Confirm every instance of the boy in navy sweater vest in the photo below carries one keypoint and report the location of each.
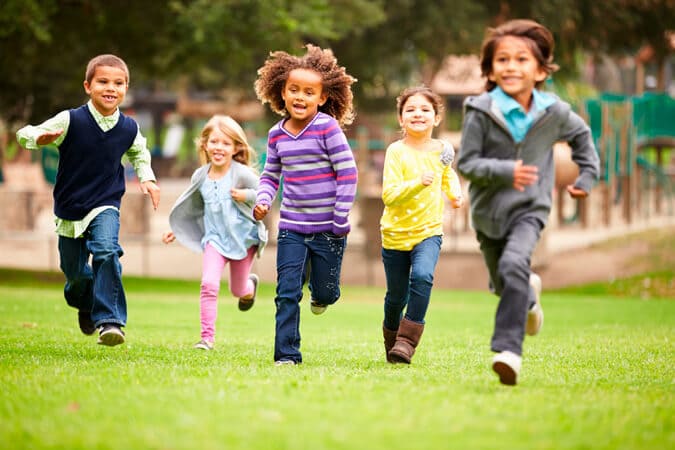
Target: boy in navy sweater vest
(89, 186)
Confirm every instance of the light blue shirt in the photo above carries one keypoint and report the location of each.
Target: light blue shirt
(518, 121)
(225, 227)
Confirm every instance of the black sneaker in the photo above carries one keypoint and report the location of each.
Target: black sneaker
(111, 335)
(86, 324)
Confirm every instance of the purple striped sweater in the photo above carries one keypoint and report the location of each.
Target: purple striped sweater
(319, 176)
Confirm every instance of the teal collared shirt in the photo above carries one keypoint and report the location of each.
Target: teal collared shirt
(518, 121)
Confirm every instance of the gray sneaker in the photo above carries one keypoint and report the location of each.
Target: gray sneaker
(535, 316)
(111, 335)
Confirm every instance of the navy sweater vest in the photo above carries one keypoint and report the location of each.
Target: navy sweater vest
(90, 172)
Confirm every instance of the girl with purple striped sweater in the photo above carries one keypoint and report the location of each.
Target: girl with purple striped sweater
(309, 150)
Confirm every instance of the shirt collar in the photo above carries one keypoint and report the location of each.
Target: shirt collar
(507, 104)
(100, 117)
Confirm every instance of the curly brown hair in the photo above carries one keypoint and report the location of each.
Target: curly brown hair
(539, 39)
(337, 82)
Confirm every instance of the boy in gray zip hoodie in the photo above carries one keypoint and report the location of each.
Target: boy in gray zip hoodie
(506, 154)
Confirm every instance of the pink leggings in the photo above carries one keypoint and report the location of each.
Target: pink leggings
(213, 264)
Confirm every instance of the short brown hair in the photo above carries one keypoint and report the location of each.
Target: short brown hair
(539, 39)
(105, 60)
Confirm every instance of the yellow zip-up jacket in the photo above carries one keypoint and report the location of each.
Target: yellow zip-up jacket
(412, 211)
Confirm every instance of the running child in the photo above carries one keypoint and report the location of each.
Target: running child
(309, 150)
(417, 170)
(215, 216)
(506, 154)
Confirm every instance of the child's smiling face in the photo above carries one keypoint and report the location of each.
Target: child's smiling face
(418, 116)
(220, 148)
(107, 88)
(303, 94)
(515, 69)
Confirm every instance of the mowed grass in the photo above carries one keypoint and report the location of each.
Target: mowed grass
(600, 375)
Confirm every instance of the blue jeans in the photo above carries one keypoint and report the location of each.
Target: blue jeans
(508, 263)
(96, 287)
(300, 256)
(410, 276)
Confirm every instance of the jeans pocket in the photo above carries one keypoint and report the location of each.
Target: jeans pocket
(332, 236)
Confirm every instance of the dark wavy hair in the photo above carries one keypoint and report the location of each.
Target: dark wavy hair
(539, 39)
(337, 82)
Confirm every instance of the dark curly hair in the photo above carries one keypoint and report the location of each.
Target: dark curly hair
(539, 39)
(337, 82)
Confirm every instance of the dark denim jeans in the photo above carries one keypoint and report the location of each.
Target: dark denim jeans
(508, 263)
(96, 287)
(410, 276)
(299, 256)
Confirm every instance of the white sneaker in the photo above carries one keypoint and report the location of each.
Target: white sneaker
(507, 365)
(204, 345)
(285, 362)
(535, 316)
(318, 308)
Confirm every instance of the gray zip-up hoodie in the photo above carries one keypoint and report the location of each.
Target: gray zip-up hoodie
(187, 215)
(488, 154)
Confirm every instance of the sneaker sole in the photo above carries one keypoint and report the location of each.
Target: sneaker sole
(318, 310)
(506, 373)
(111, 339)
(535, 316)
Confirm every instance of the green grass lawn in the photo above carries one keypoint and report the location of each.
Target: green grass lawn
(600, 375)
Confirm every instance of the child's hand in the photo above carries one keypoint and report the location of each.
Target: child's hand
(524, 175)
(576, 192)
(48, 137)
(260, 211)
(457, 202)
(151, 188)
(168, 237)
(427, 178)
(238, 195)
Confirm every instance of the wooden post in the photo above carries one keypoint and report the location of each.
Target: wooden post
(606, 159)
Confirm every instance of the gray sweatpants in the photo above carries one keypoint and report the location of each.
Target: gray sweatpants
(508, 263)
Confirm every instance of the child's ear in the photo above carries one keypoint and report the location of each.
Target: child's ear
(86, 87)
(541, 75)
(323, 98)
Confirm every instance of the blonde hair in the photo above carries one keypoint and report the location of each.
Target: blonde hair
(105, 60)
(244, 153)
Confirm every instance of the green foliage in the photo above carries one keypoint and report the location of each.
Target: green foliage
(599, 376)
(218, 44)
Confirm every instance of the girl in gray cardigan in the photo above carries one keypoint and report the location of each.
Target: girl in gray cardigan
(215, 216)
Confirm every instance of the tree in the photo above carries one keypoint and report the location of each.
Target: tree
(209, 43)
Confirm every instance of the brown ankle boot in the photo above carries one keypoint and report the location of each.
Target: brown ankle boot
(389, 340)
(409, 334)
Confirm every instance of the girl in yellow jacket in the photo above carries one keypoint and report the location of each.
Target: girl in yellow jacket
(417, 169)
